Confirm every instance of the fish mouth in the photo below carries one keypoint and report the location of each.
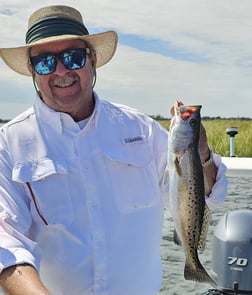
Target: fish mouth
(185, 112)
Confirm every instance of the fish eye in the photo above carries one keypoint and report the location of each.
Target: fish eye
(193, 122)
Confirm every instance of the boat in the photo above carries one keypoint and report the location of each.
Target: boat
(238, 166)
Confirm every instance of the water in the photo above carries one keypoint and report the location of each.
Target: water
(239, 197)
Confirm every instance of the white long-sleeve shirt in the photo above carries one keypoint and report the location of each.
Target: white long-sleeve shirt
(85, 205)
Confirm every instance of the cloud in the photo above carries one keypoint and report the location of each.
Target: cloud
(198, 51)
(7, 12)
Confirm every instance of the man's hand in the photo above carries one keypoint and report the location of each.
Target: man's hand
(210, 170)
(22, 280)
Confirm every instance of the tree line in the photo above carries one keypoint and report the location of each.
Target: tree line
(205, 118)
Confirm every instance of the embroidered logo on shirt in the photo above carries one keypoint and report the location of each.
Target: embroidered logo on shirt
(133, 139)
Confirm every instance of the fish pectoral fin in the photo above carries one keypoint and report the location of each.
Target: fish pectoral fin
(204, 228)
(177, 166)
(176, 238)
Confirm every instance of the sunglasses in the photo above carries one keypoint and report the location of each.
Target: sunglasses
(72, 59)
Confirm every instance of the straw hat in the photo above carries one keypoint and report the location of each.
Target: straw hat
(55, 23)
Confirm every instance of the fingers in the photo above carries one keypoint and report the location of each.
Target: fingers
(177, 103)
(203, 144)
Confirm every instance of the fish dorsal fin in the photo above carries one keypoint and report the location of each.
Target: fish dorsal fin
(204, 228)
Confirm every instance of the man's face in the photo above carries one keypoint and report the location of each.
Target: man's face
(64, 90)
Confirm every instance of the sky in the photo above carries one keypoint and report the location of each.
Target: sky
(195, 51)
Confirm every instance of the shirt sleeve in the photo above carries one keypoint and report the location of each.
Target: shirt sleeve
(219, 190)
(160, 148)
(15, 221)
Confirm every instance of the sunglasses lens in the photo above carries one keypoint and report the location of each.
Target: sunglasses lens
(74, 59)
(44, 64)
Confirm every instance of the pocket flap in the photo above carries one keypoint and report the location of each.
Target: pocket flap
(133, 153)
(37, 170)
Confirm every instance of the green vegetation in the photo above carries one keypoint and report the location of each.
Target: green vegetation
(3, 121)
(220, 141)
(216, 133)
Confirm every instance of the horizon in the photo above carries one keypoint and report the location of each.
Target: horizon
(161, 118)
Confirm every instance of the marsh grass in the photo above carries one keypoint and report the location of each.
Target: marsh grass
(220, 141)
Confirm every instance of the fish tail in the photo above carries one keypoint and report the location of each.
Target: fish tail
(198, 274)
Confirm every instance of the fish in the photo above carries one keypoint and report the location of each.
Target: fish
(187, 190)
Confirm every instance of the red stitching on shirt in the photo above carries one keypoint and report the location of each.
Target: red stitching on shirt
(35, 203)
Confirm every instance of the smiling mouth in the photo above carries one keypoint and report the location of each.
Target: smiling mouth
(63, 82)
(64, 85)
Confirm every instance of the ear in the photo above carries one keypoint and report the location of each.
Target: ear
(94, 58)
(29, 67)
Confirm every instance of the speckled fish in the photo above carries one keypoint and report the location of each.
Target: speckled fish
(187, 192)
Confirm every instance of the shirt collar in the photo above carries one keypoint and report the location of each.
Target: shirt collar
(59, 121)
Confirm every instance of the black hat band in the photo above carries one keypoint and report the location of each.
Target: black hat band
(54, 26)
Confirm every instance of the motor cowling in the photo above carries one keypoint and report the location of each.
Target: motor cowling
(232, 253)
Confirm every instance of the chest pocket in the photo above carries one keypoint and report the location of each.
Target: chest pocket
(47, 184)
(132, 175)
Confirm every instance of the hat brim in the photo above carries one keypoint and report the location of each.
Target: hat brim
(104, 45)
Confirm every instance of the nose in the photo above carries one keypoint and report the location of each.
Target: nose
(60, 68)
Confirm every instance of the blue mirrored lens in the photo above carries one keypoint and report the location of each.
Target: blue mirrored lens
(72, 59)
(44, 64)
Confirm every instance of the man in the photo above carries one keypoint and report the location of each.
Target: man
(81, 183)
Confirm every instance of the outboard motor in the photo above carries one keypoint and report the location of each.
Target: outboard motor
(232, 254)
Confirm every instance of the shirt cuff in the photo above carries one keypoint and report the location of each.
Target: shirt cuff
(15, 256)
